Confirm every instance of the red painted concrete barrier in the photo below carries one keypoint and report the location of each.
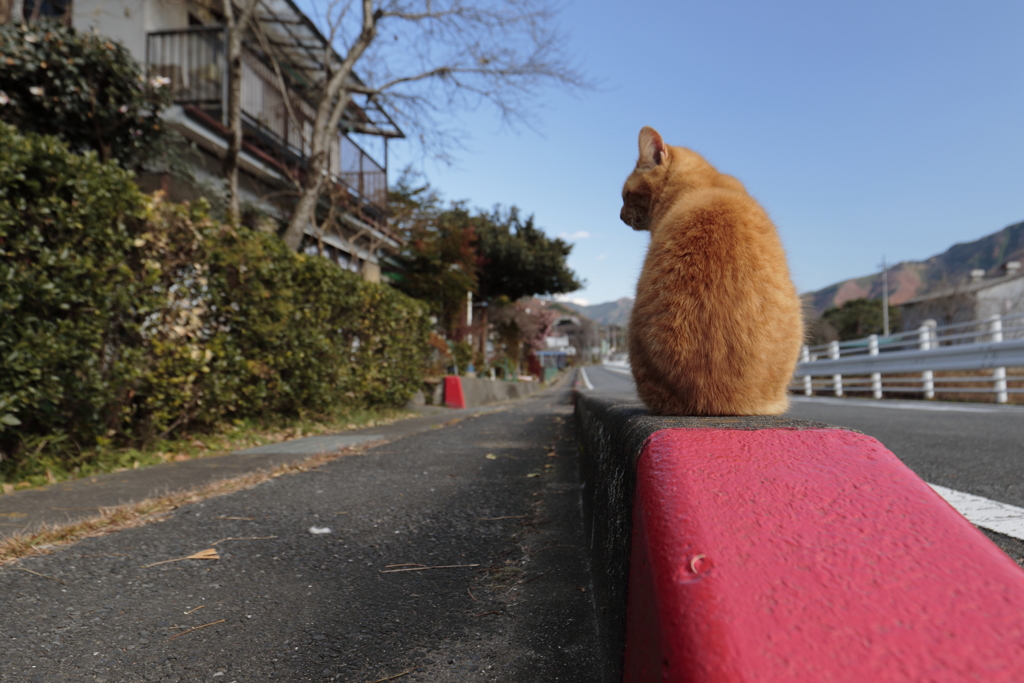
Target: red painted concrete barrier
(814, 555)
(453, 396)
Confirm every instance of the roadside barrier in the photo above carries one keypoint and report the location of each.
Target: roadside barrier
(988, 347)
(453, 396)
(767, 549)
(473, 392)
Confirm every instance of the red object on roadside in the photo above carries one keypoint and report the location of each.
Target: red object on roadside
(453, 397)
(786, 555)
(533, 366)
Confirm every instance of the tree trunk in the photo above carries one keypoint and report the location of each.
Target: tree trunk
(235, 27)
(483, 331)
(325, 130)
(304, 211)
(234, 110)
(235, 141)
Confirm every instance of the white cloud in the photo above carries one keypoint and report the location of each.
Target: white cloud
(567, 298)
(601, 257)
(578, 235)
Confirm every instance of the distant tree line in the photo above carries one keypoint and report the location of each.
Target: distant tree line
(497, 256)
(854, 319)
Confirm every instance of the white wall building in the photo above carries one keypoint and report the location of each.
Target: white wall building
(184, 42)
(976, 299)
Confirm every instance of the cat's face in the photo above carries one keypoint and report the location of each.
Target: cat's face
(643, 183)
(636, 207)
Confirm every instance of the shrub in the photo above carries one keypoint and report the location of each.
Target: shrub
(72, 298)
(82, 87)
(296, 333)
(462, 353)
(855, 319)
(128, 318)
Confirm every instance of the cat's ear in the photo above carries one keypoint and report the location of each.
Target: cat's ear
(652, 148)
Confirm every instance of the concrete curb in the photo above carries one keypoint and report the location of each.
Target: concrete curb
(770, 549)
(473, 392)
(610, 434)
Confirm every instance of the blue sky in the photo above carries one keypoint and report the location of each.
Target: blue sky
(863, 127)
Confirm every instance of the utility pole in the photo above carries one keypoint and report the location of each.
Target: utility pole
(885, 298)
(469, 315)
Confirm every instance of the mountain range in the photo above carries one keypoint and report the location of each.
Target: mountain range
(907, 279)
(608, 313)
(910, 279)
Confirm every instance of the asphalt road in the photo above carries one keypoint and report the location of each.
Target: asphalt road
(614, 380)
(76, 499)
(499, 492)
(973, 448)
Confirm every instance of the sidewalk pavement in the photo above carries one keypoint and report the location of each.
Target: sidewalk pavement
(454, 554)
(77, 499)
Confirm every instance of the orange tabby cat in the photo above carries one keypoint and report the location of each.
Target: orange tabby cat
(716, 326)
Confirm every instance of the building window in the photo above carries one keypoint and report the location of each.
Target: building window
(46, 9)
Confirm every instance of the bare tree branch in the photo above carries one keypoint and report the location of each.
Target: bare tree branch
(423, 61)
(420, 16)
(328, 115)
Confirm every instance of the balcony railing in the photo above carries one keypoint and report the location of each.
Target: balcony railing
(195, 61)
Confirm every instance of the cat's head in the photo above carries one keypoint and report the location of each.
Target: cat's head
(661, 167)
(646, 180)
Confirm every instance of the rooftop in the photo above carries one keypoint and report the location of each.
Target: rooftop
(969, 287)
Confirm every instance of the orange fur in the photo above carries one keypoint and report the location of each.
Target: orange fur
(716, 326)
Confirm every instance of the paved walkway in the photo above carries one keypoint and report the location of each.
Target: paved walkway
(79, 498)
(481, 519)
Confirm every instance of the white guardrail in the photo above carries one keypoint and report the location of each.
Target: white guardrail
(990, 345)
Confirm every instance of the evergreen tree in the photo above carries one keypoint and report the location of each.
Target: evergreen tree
(82, 88)
(860, 318)
(497, 255)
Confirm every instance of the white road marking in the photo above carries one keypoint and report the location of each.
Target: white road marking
(907, 405)
(620, 370)
(988, 514)
(586, 380)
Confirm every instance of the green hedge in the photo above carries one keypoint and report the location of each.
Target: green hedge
(124, 318)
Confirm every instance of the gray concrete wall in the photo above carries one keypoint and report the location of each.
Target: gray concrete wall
(128, 21)
(482, 392)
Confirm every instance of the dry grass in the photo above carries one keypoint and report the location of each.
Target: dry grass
(110, 520)
(228, 438)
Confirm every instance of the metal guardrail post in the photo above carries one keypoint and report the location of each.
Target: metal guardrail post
(994, 344)
(995, 327)
(924, 337)
(805, 357)
(837, 379)
(876, 377)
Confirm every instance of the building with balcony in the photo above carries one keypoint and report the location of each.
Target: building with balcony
(183, 43)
